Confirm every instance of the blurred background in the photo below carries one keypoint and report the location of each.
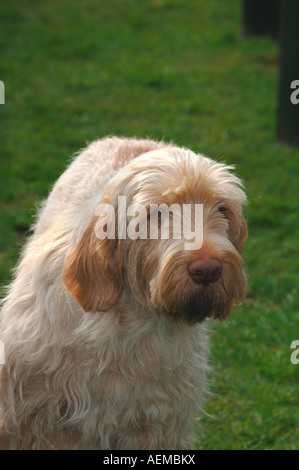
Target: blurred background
(196, 73)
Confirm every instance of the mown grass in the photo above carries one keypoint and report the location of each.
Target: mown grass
(182, 71)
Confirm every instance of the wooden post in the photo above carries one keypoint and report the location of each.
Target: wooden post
(261, 17)
(288, 90)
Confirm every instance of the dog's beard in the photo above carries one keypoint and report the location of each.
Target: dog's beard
(196, 306)
(199, 307)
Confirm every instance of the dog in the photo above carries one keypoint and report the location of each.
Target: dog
(106, 338)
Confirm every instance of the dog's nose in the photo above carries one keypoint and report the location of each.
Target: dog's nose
(205, 270)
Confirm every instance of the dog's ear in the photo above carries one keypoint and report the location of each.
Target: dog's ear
(237, 228)
(242, 235)
(92, 271)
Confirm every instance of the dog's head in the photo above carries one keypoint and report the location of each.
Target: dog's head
(125, 248)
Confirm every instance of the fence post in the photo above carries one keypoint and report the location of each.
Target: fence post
(288, 88)
(261, 17)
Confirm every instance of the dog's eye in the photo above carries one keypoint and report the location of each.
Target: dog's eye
(223, 210)
(156, 215)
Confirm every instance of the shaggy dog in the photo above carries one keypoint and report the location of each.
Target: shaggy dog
(106, 338)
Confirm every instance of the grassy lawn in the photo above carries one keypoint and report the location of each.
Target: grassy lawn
(182, 71)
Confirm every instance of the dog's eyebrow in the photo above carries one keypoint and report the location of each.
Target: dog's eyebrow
(179, 190)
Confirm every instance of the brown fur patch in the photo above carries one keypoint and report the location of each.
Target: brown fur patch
(92, 273)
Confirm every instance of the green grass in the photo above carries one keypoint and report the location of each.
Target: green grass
(182, 71)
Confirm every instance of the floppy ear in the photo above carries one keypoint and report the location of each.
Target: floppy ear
(92, 271)
(237, 228)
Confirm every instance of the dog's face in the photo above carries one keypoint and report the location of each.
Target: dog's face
(163, 274)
